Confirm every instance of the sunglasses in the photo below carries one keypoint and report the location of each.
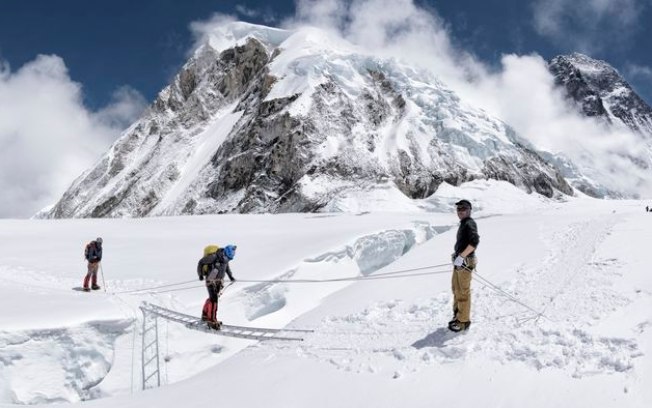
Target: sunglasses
(460, 209)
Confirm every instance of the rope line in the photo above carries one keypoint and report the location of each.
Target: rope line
(399, 274)
(154, 287)
(487, 283)
(358, 278)
(367, 277)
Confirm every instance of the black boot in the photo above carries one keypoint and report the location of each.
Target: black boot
(458, 326)
(454, 317)
(214, 324)
(95, 287)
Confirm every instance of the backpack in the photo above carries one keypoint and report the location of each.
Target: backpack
(208, 250)
(87, 250)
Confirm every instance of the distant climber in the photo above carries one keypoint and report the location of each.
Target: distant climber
(93, 254)
(464, 262)
(212, 268)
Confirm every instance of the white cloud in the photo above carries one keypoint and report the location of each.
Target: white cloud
(246, 11)
(392, 28)
(47, 136)
(266, 14)
(588, 25)
(125, 107)
(638, 71)
(524, 95)
(201, 30)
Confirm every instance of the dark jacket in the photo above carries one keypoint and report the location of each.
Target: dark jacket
(467, 234)
(94, 252)
(218, 266)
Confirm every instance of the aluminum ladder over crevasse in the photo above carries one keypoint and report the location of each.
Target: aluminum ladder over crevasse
(241, 332)
(150, 351)
(151, 368)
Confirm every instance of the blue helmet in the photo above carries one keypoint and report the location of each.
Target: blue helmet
(229, 251)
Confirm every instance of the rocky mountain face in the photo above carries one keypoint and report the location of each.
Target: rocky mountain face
(281, 121)
(600, 91)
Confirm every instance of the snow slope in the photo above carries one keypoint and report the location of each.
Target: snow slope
(579, 333)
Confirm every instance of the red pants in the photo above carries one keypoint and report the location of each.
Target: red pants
(209, 311)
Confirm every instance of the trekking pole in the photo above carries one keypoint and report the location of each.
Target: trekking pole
(102, 273)
(224, 288)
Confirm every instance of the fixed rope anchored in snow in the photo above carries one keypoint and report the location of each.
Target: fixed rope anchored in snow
(487, 283)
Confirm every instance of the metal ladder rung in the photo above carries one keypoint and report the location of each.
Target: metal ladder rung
(151, 359)
(150, 376)
(149, 345)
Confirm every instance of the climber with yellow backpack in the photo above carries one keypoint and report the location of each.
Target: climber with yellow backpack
(212, 267)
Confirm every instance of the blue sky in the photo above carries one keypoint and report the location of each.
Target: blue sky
(141, 44)
(75, 73)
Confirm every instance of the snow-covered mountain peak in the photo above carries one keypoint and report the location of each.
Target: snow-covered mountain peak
(585, 64)
(602, 92)
(596, 90)
(292, 121)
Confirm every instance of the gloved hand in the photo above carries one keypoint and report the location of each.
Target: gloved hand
(459, 261)
(232, 279)
(201, 278)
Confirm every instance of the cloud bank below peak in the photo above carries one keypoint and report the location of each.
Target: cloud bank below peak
(47, 136)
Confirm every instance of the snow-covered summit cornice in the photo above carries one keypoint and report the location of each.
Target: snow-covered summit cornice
(299, 40)
(237, 33)
(586, 64)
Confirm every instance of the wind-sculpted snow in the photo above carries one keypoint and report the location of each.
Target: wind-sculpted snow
(288, 121)
(62, 365)
(364, 256)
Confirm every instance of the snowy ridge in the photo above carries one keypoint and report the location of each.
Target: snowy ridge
(264, 120)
